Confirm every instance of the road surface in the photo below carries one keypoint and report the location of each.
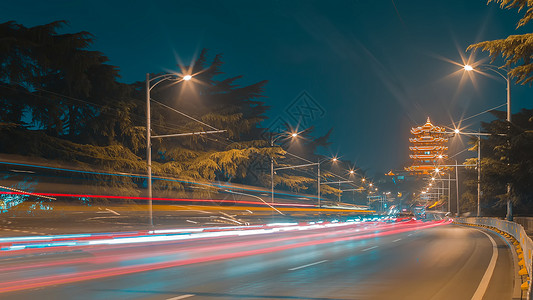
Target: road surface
(412, 260)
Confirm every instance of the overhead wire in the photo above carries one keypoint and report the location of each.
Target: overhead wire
(139, 118)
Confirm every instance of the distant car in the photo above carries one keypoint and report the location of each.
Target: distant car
(405, 216)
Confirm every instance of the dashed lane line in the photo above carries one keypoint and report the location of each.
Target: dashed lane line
(374, 247)
(181, 297)
(308, 265)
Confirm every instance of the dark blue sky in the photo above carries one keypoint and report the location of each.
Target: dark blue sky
(373, 68)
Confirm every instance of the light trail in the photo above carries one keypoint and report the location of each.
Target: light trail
(142, 176)
(55, 242)
(62, 278)
(158, 199)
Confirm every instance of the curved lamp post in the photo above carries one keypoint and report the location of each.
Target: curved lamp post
(150, 84)
(273, 139)
(505, 76)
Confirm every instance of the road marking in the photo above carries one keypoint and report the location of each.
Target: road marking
(396, 240)
(484, 284)
(308, 265)
(181, 297)
(112, 211)
(369, 248)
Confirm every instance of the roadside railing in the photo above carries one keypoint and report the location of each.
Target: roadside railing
(513, 229)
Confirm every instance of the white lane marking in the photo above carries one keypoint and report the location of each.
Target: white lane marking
(308, 265)
(396, 240)
(112, 211)
(374, 247)
(484, 284)
(181, 297)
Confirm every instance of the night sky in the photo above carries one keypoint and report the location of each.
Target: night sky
(369, 69)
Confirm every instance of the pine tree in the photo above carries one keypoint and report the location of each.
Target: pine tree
(516, 50)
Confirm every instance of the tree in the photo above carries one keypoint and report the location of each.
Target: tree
(66, 90)
(61, 101)
(504, 162)
(516, 50)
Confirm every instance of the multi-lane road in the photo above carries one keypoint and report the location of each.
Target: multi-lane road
(411, 260)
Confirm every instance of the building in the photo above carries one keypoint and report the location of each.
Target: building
(428, 148)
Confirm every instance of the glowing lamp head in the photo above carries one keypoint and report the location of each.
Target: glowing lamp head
(468, 68)
(187, 77)
(370, 184)
(440, 156)
(352, 171)
(437, 170)
(294, 134)
(432, 178)
(334, 159)
(456, 130)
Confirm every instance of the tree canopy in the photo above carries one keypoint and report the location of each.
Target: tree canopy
(60, 100)
(516, 50)
(503, 162)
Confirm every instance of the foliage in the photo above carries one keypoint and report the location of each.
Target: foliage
(61, 101)
(521, 5)
(506, 159)
(516, 50)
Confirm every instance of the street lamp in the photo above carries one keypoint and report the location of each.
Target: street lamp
(334, 159)
(150, 84)
(273, 139)
(505, 76)
(478, 135)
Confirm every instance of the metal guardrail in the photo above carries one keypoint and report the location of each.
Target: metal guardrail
(514, 229)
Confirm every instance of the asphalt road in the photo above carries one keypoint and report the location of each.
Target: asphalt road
(416, 260)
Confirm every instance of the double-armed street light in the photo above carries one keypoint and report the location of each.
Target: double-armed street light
(320, 161)
(319, 183)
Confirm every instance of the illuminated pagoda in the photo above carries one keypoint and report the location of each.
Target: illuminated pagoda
(428, 148)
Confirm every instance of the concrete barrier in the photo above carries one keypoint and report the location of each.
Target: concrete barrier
(524, 248)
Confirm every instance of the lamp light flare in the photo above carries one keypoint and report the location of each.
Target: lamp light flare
(468, 68)
(334, 159)
(456, 130)
(294, 134)
(187, 77)
(352, 171)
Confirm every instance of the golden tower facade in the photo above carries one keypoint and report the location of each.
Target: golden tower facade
(428, 148)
